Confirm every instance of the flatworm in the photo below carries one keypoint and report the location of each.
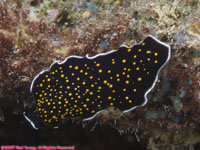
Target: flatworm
(84, 86)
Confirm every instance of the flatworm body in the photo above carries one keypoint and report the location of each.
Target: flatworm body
(84, 86)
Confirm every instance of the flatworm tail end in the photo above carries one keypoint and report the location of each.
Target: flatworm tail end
(32, 119)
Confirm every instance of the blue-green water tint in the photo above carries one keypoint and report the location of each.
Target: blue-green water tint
(177, 103)
(178, 118)
(154, 114)
(164, 90)
(190, 80)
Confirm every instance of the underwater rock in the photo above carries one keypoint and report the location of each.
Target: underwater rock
(2, 118)
(27, 47)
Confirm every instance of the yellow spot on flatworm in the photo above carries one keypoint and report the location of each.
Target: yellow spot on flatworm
(155, 61)
(76, 67)
(105, 81)
(127, 82)
(134, 56)
(139, 79)
(126, 97)
(41, 84)
(137, 68)
(100, 71)
(111, 104)
(139, 50)
(129, 50)
(97, 65)
(48, 79)
(110, 86)
(70, 66)
(143, 44)
(134, 63)
(148, 52)
(134, 90)
(124, 60)
(156, 54)
(109, 97)
(62, 75)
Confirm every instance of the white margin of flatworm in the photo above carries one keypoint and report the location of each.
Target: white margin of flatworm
(103, 54)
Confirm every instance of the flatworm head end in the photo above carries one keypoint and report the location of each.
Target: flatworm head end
(156, 54)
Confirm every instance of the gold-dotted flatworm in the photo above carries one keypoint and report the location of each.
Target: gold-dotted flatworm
(84, 86)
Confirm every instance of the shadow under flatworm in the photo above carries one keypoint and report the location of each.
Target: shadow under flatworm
(83, 86)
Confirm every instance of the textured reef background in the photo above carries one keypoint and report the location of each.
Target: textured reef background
(34, 33)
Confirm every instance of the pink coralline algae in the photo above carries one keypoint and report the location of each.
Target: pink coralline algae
(53, 13)
(54, 1)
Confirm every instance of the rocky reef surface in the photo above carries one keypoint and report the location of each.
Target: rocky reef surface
(34, 33)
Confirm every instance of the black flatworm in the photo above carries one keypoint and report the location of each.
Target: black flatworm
(84, 86)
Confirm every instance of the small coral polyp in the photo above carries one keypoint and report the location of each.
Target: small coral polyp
(81, 87)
